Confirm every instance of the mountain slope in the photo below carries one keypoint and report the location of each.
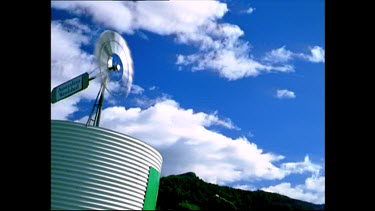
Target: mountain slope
(188, 192)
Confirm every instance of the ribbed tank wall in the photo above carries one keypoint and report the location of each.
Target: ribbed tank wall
(97, 168)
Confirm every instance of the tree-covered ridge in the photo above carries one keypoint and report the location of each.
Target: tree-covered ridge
(188, 192)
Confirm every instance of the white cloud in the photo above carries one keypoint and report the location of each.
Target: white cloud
(69, 61)
(250, 10)
(282, 55)
(228, 64)
(312, 191)
(65, 47)
(183, 138)
(144, 101)
(159, 17)
(135, 89)
(285, 94)
(175, 17)
(301, 167)
(62, 109)
(315, 183)
(194, 23)
(186, 143)
(279, 55)
(113, 14)
(317, 54)
(223, 52)
(75, 25)
(213, 119)
(245, 187)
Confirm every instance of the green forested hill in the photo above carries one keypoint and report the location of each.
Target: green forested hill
(188, 192)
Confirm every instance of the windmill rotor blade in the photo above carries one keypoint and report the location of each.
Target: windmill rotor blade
(112, 46)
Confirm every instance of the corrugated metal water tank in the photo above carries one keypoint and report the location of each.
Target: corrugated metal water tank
(97, 168)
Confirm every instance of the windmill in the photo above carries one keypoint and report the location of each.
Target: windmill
(114, 68)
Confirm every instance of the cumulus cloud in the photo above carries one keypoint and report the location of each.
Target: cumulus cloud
(176, 17)
(68, 60)
(312, 191)
(285, 94)
(159, 17)
(301, 167)
(66, 49)
(187, 144)
(220, 48)
(282, 55)
(222, 51)
(185, 140)
(228, 64)
(62, 109)
(315, 183)
(115, 14)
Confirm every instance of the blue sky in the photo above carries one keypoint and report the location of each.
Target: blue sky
(232, 90)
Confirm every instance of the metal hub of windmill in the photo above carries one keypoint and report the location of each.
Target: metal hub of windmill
(115, 67)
